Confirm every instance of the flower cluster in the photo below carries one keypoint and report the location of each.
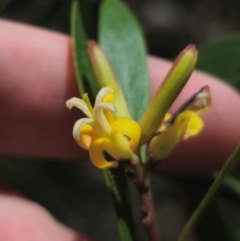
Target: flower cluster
(100, 131)
(108, 127)
(184, 124)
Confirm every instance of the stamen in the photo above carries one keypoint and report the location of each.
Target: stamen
(88, 103)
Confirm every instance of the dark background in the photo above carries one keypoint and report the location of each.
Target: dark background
(168, 25)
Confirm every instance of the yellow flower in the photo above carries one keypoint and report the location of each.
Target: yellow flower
(183, 124)
(100, 131)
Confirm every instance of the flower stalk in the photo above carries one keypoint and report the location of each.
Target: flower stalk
(141, 179)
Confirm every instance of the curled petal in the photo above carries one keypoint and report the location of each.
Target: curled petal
(128, 128)
(109, 116)
(101, 118)
(121, 146)
(105, 106)
(96, 156)
(194, 126)
(80, 104)
(101, 94)
(78, 127)
(87, 135)
(109, 96)
(187, 124)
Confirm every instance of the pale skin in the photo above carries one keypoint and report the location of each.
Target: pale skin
(37, 77)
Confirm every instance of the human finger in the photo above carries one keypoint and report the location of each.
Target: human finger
(22, 219)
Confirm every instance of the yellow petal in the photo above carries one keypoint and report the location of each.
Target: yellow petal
(102, 94)
(96, 156)
(100, 116)
(128, 128)
(109, 97)
(121, 146)
(187, 124)
(195, 125)
(87, 136)
(77, 128)
(108, 114)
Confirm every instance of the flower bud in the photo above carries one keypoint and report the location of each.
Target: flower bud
(166, 94)
(106, 77)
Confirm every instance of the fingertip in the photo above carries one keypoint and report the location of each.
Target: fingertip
(22, 219)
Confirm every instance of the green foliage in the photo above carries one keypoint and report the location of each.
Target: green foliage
(121, 38)
(228, 167)
(118, 188)
(233, 183)
(81, 62)
(222, 59)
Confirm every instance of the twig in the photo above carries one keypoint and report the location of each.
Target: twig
(142, 182)
(149, 220)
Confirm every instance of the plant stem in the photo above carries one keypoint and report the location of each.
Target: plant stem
(149, 220)
(229, 165)
(142, 182)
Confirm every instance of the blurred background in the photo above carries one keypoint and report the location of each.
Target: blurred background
(168, 25)
(66, 189)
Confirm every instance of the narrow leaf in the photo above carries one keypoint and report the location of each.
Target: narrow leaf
(234, 184)
(118, 188)
(121, 39)
(81, 62)
(222, 59)
(229, 166)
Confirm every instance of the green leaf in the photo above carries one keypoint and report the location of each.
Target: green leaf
(216, 226)
(118, 188)
(233, 183)
(82, 65)
(230, 227)
(121, 38)
(227, 168)
(222, 59)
